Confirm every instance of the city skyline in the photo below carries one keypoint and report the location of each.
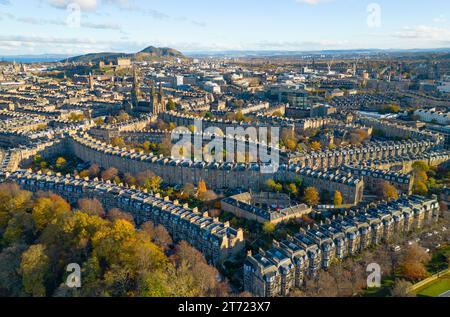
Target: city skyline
(47, 27)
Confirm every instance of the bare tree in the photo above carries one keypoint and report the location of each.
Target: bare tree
(401, 288)
(92, 207)
(110, 173)
(116, 214)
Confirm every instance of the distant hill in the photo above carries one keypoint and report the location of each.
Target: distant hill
(43, 58)
(151, 53)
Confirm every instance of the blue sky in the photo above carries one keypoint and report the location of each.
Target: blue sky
(48, 26)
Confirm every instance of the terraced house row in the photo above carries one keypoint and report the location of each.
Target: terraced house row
(375, 151)
(216, 175)
(277, 271)
(216, 240)
(262, 121)
(373, 178)
(395, 130)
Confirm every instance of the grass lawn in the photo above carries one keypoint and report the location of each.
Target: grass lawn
(435, 288)
(439, 260)
(383, 291)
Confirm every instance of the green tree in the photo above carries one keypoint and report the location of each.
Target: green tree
(171, 105)
(34, 269)
(311, 196)
(338, 199)
(268, 228)
(61, 163)
(153, 184)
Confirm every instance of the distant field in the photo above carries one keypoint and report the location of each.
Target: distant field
(435, 288)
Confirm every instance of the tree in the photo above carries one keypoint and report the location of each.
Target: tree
(203, 277)
(130, 180)
(209, 195)
(10, 278)
(116, 214)
(202, 187)
(401, 288)
(61, 163)
(268, 227)
(421, 166)
(109, 174)
(388, 191)
(94, 170)
(34, 269)
(420, 188)
(414, 271)
(315, 146)
(92, 207)
(274, 186)
(123, 117)
(337, 198)
(188, 191)
(413, 263)
(48, 209)
(157, 234)
(311, 196)
(291, 145)
(153, 184)
(142, 177)
(293, 190)
(171, 106)
(119, 142)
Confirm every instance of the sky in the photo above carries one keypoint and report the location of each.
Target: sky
(73, 27)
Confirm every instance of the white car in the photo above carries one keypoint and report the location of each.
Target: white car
(396, 248)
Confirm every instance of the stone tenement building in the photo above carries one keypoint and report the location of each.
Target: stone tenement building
(277, 271)
(111, 131)
(182, 120)
(350, 186)
(216, 240)
(262, 121)
(264, 207)
(404, 164)
(393, 130)
(12, 158)
(216, 175)
(374, 151)
(241, 145)
(373, 178)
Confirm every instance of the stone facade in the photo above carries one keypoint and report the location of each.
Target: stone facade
(277, 271)
(373, 178)
(258, 207)
(216, 175)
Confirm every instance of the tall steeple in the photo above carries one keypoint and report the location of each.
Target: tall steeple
(136, 93)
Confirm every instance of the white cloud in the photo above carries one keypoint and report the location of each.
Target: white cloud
(86, 5)
(440, 19)
(423, 32)
(312, 2)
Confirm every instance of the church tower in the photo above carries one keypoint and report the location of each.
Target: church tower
(161, 99)
(136, 93)
(91, 82)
